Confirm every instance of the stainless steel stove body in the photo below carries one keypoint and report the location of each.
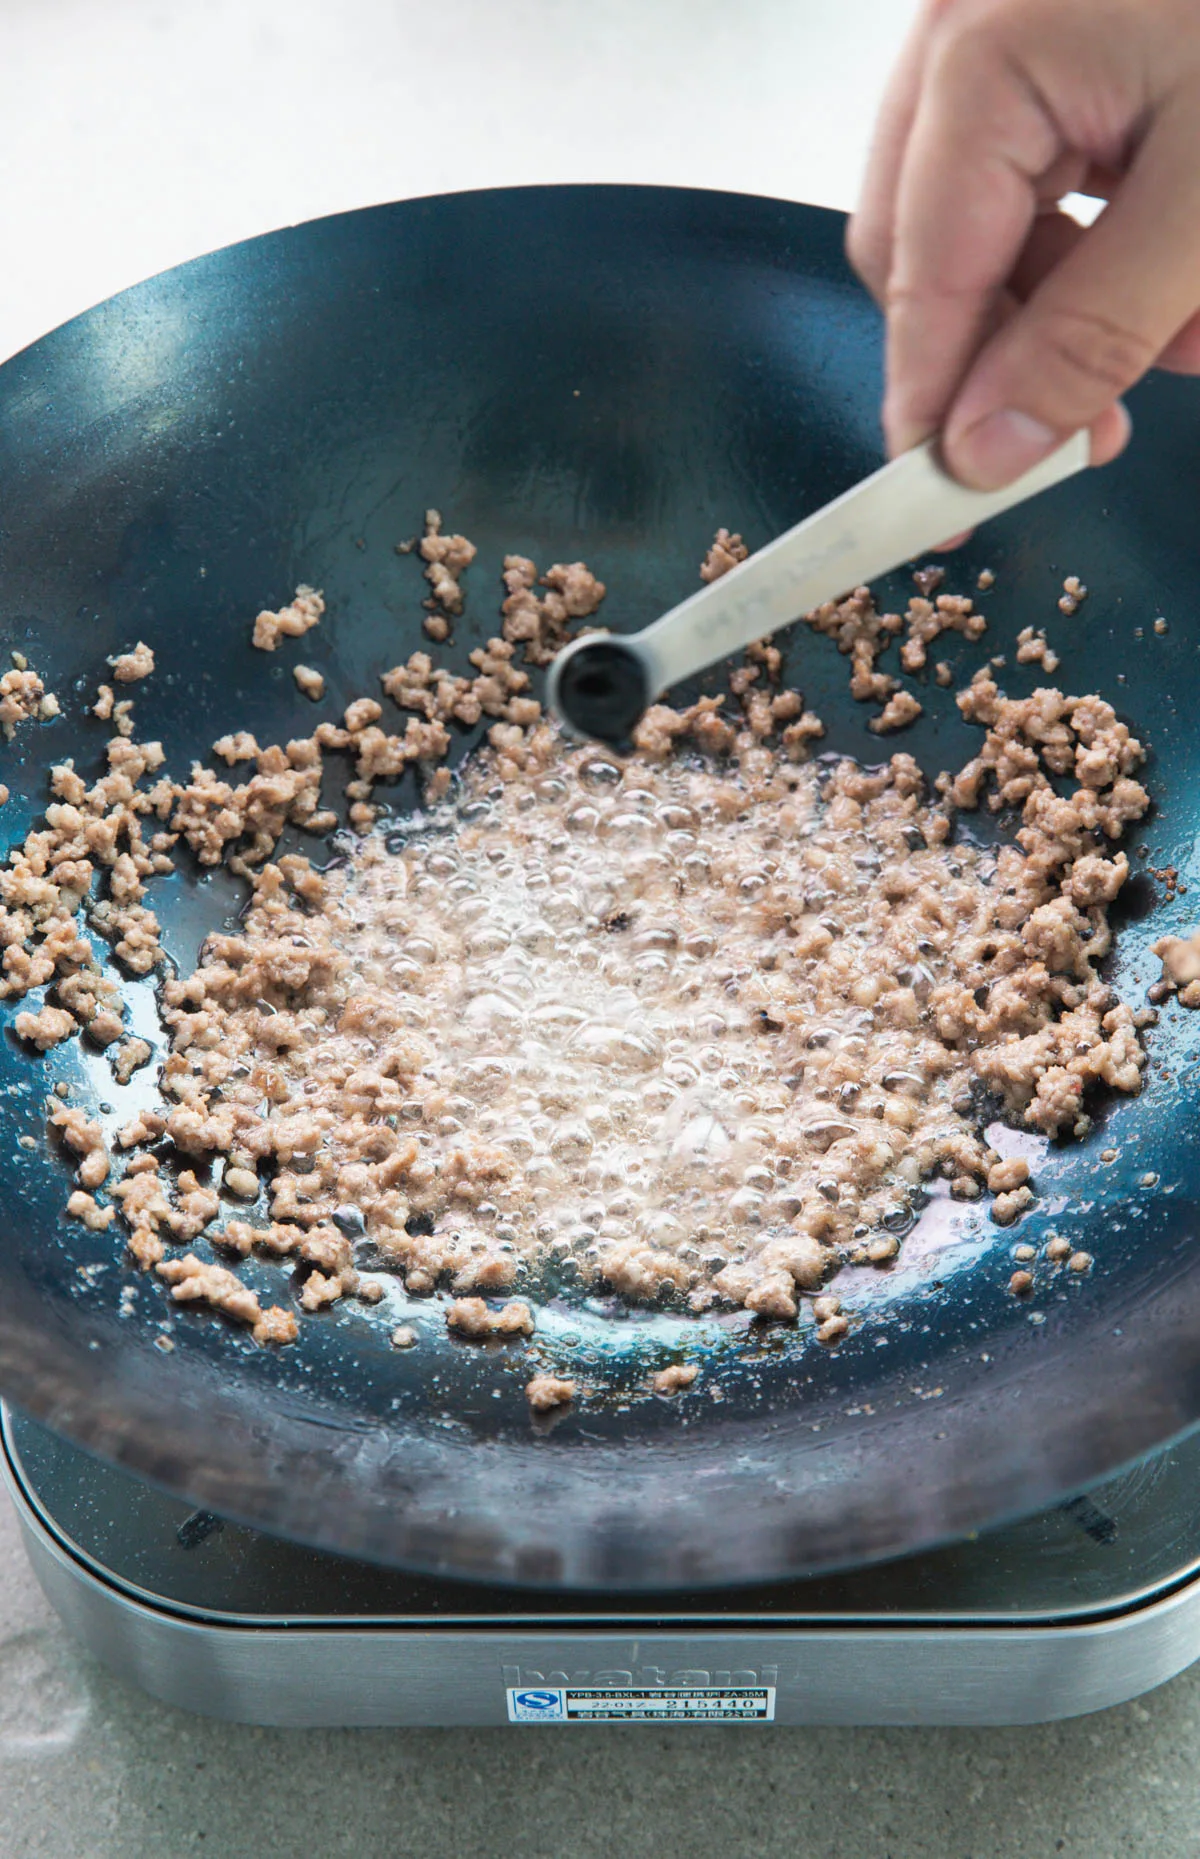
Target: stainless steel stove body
(1081, 1607)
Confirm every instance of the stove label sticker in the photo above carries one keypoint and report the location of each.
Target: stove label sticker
(698, 1704)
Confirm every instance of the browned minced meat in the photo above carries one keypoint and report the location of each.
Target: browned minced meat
(1180, 956)
(547, 1391)
(985, 579)
(47, 1028)
(862, 632)
(130, 1056)
(85, 1207)
(1010, 1205)
(927, 619)
(1004, 1176)
(191, 1280)
(3, 795)
(671, 1380)
(128, 667)
(86, 1139)
(943, 674)
(445, 558)
(310, 682)
(1032, 649)
(470, 1316)
(540, 625)
(23, 696)
(900, 709)
(1073, 593)
(241, 747)
(725, 552)
(299, 617)
(103, 706)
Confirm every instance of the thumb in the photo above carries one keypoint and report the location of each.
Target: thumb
(1095, 323)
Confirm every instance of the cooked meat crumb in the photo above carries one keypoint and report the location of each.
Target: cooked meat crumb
(725, 553)
(1180, 957)
(547, 1391)
(539, 625)
(193, 1281)
(1006, 1175)
(1032, 649)
(470, 1316)
(445, 558)
(23, 697)
(310, 682)
(404, 1336)
(1073, 593)
(85, 1207)
(900, 709)
(86, 1139)
(129, 667)
(678, 1376)
(1009, 1206)
(1021, 1283)
(291, 622)
(47, 1028)
(131, 1055)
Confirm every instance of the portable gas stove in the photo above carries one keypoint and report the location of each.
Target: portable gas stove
(1081, 1607)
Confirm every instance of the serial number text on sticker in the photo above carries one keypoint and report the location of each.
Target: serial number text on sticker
(701, 1704)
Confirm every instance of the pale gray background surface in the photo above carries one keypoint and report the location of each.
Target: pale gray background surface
(134, 134)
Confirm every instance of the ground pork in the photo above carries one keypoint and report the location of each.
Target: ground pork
(191, 1280)
(470, 1316)
(548, 1391)
(85, 1207)
(540, 625)
(1032, 649)
(23, 697)
(445, 559)
(900, 709)
(1073, 593)
(672, 1380)
(1180, 957)
(291, 622)
(927, 618)
(725, 553)
(310, 682)
(86, 1140)
(47, 1028)
(781, 982)
(129, 667)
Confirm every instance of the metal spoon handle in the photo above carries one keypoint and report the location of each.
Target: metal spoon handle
(899, 512)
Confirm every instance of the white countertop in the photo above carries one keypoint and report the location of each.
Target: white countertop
(133, 135)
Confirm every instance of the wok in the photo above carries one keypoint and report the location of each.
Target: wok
(605, 373)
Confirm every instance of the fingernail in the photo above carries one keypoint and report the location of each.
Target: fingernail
(999, 447)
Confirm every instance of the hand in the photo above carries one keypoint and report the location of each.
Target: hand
(1008, 325)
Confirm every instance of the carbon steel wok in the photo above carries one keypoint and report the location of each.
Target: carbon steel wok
(608, 373)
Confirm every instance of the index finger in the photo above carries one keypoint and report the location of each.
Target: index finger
(869, 234)
(966, 201)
